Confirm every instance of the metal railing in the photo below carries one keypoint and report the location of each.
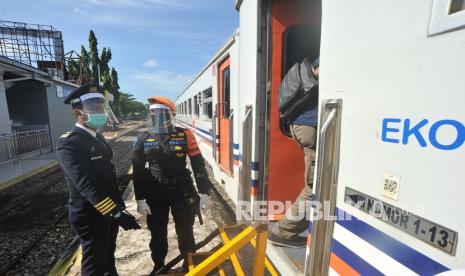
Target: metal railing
(19, 144)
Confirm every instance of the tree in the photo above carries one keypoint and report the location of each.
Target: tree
(94, 59)
(74, 69)
(128, 105)
(105, 58)
(84, 62)
(114, 89)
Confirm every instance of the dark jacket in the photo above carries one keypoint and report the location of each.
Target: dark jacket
(90, 173)
(165, 155)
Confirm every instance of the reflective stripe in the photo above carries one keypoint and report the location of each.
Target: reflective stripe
(101, 203)
(104, 206)
(107, 210)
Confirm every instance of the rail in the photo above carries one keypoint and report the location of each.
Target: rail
(16, 145)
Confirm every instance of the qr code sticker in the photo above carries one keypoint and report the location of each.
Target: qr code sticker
(391, 186)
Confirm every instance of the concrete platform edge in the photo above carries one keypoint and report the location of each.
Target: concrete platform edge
(52, 165)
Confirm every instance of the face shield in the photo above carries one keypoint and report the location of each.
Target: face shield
(162, 118)
(93, 105)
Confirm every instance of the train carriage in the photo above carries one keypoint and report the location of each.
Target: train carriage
(391, 135)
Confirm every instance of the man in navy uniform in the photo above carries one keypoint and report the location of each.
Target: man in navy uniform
(95, 204)
(162, 180)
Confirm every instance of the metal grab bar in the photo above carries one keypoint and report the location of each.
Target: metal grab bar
(326, 186)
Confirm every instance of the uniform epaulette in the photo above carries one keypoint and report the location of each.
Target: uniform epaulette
(65, 135)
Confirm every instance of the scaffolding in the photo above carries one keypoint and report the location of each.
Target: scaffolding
(40, 46)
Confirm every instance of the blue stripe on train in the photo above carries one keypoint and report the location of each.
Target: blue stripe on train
(350, 257)
(200, 132)
(353, 260)
(397, 250)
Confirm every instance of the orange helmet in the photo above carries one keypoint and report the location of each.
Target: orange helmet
(162, 100)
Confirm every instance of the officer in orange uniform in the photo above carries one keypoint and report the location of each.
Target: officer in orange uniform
(162, 180)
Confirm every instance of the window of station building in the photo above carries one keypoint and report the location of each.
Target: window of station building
(299, 42)
(207, 103)
(189, 106)
(196, 105)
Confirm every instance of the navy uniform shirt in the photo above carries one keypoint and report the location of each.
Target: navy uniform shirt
(85, 158)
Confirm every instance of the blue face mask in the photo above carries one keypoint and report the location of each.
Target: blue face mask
(96, 120)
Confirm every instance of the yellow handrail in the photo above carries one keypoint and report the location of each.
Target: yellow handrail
(258, 230)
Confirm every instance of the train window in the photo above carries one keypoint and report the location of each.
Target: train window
(189, 106)
(456, 6)
(446, 16)
(207, 103)
(226, 92)
(299, 42)
(196, 105)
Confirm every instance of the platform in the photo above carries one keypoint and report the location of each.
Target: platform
(12, 173)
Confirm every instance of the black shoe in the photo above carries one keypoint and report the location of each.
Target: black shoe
(155, 269)
(295, 242)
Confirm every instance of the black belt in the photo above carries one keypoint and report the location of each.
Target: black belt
(171, 180)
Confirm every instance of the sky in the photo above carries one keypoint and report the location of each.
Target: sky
(158, 46)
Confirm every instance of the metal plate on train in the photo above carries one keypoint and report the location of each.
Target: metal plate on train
(425, 230)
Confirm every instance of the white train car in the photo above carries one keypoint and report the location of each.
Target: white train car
(210, 114)
(390, 139)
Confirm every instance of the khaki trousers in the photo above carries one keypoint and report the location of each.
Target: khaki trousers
(295, 221)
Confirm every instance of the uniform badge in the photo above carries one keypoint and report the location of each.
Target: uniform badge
(181, 134)
(150, 140)
(65, 135)
(179, 154)
(177, 148)
(96, 157)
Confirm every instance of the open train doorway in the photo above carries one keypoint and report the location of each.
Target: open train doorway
(224, 116)
(294, 29)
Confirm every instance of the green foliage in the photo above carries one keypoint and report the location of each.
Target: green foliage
(74, 69)
(128, 105)
(84, 61)
(94, 59)
(105, 58)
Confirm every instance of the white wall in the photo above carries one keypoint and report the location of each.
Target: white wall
(60, 115)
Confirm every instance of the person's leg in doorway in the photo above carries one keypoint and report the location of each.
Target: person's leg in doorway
(286, 231)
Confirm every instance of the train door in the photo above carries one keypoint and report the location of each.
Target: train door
(224, 114)
(294, 36)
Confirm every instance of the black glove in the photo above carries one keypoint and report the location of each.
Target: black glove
(126, 220)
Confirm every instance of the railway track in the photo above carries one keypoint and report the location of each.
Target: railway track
(34, 225)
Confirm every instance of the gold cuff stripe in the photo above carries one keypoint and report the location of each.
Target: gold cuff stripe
(108, 210)
(98, 205)
(104, 206)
